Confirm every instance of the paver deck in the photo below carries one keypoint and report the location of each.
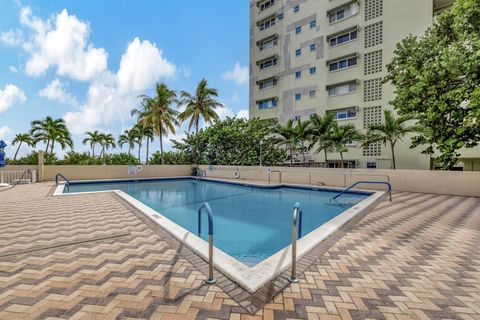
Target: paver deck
(95, 257)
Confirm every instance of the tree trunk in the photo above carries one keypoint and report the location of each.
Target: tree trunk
(161, 146)
(291, 154)
(51, 147)
(392, 146)
(326, 160)
(303, 152)
(129, 150)
(341, 162)
(48, 145)
(16, 152)
(93, 150)
(139, 148)
(148, 142)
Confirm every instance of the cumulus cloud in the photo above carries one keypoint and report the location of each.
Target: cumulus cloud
(12, 37)
(61, 42)
(11, 95)
(238, 74)
(56, 91)
(141, 65)
(4, 131)
(243, 114)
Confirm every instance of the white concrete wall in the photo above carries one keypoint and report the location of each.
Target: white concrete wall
(439, 182)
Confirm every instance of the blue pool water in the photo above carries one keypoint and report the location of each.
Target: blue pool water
(251, 223)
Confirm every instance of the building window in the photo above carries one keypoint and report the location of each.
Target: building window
(296, 8)
(264, 84)
(298, 96)
(280, 16)
(341, 89)
(313, 24)
(268, 63)
(312, 94)
(313, 70)
(343, 38)
(267, 4)
(343, 114)
(267, 104)
(298, 29)
(266, 24)
(313, 47)
(298, 74)
(371, 165)
(268, 43)
(343, 12)
(343, 63)
(298, 52)
(297, 118)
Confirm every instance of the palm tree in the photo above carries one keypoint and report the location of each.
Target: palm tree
(106, 141)
(320, 128)
(92, 138)
(340, 136)
(51, 131)
(22, 138)
(129, 137)
(144, 132)
(302, 132)
(392, 131)
(157, 113)
(285, 135)
(200, 105)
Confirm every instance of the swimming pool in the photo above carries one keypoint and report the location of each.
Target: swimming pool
(252, 223)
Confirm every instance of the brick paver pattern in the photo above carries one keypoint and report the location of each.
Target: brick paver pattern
(92, 257)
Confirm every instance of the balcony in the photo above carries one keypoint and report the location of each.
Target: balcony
(440, 6)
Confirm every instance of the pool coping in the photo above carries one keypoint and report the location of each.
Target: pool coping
(250, 278)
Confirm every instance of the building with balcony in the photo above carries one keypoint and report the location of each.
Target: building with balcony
(318, 56)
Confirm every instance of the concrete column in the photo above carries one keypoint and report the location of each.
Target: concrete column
(41, 166)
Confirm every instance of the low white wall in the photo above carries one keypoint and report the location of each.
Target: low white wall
(114, 172)
(427, 181)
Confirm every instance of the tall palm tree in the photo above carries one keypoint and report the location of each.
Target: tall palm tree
(106, 141)
(340, 136)
(302, 132)
(392, 131)
(285, 135)
(200, 105)
(51, 131)
(157, 113)
(130, 138)
(320, 128)
(22, 138)
(92, 138)
(144, 133)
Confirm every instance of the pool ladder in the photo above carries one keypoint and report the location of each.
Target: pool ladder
(206, 206)
(389, 186)
(67, 182)
(296, 234)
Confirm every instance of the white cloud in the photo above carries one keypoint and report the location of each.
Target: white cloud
(239, 74)
(141, 65)
(186, 71)
(11, 95)
(243, 114)
(13, 69)
(12, 37)
(4, 131)
(63, 42)
(224, 112)
(55, 91)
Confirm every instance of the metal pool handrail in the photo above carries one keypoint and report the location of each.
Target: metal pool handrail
(367, 182)
(206, 206)
(67, 182)
(297, 221)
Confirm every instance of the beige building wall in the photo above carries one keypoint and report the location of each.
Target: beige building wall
(380, 25)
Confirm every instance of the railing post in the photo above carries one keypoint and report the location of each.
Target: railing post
(296, 213)
(211, 279)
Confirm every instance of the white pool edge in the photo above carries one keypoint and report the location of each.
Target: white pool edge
(251, 279)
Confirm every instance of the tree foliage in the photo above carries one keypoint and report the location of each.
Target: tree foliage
(232, 142)
(437, 78)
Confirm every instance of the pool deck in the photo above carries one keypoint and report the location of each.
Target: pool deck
(96, 257)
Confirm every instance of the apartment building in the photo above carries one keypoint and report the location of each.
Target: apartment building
(318, 56)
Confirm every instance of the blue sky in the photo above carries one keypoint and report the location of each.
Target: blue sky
(87, 61)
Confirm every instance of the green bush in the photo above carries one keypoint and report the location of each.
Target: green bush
(170, 157)
(32, 159)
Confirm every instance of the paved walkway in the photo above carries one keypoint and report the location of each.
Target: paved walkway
(94, 257)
